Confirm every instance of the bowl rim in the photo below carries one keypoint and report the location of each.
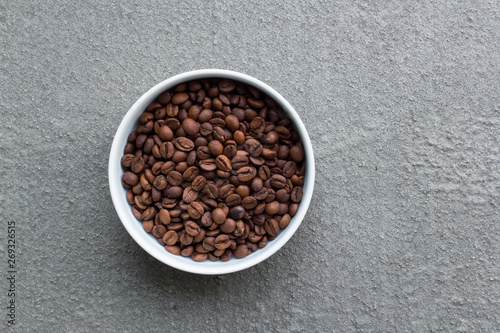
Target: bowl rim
(147, 241)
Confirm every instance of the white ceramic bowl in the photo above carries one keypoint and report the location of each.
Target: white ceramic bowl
(147, 241)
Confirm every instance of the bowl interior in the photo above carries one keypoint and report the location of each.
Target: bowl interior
(134, 226)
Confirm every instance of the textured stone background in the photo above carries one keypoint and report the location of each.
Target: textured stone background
(408, 87)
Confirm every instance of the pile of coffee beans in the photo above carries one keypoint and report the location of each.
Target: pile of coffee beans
(214, 169)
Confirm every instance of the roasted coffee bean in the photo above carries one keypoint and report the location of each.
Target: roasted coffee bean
(190, 173)
(222, 242)
(195, 210)
(218, 215)
(296, 153)
(192, 228)
(190, 126)
(199, 183)
(257, 125)
(208, 165)
(174, 249)
(249, 202)
(245, 174)
(216, 148)
(209, 243)
(226, 190)
(184, 144)
(296, 195)
(233, 200)
(241, 251)
(158, 231)
(199, 257)
(180, 98)
(170, 237)
(174, 178)
(174, 192)
(278, 181)
(223, 163)
(185, 238)
(130, 178)
(272, 227)
(212, 191)
(236, 212)
(164, 216)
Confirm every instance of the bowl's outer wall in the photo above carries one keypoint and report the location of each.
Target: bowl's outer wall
(147, 241)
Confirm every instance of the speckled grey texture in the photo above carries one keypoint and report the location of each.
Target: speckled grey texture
(401, 101)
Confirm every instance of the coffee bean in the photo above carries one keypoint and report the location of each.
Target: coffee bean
(226, 190)
(227, 86)
(184, 144)
(233, 200)
(278, 181)
(164, 216)
(173, 249)
(170, 237)
(174, 178)
(209, 243)
(218, 215)
(296, 195)
(158, 231)
(236, 212)
(208, 165)
(245, 174)
(180, 98)
(272, 227)
(190, 126)
(195, 210)
(190, 173)
(192, 228)
(130, 178)
(174, 192)
(223, 163)
(199, 183)
(241, 251)
(187, 251)
(199, 257)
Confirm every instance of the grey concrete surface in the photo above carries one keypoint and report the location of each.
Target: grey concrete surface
(401, 101)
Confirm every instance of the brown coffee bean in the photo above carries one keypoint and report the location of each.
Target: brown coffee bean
(226, 190)
(226, 256)
(187, 251)
(184, 144)
(296, 195)
(233, 200)
(208, 165)
(209, 243)
(249, 203)
(212, 191)
(199, 183)
(232, 122)
(190, 173)
(272, 227)
(174, 192)
(137, 164)
(239, 161)
(180, 98)
(236, 212)
(282, 195)
(257, 125)
(218, 215)
(228, 226)
(174, 178)
(174, 249)
(195, 210)
(278, 181)
(190, 126)
(255, 148)
(226, 86)
(222, 242)
(245, 174)
(297, 154)
(223, 163)
(130, 178)
(158, 231)
(241, 251)
(199, 257)
(170, 237)
(192, 228)
(164, 216)
(289, 169)
(160, 182)
(272, 207)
